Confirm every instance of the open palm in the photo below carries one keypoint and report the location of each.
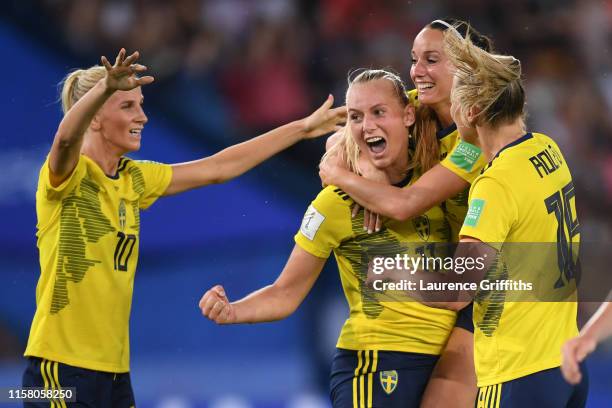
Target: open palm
(122, 75)
(325, 120)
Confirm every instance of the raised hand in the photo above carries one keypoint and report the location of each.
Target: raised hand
(122, 75)
(325, 120)
(215, 306)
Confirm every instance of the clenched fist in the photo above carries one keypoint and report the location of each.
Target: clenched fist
(215, 306)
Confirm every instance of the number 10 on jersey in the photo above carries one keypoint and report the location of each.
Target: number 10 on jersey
(123, 250)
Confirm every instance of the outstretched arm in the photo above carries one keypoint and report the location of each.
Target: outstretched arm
(66, 147)
(238, 159)
(433, 187)
(273, 302)
(577, 349)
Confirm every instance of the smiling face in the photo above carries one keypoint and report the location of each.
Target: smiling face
(121, 120)
(431, 70)
(379, 121)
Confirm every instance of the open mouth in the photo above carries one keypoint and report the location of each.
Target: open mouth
(376, 144)
(136, 132)
(425, 86)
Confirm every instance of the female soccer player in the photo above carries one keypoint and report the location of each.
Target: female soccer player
(459, 163)
(386, 350)
(598, 328)
(524, 195)
(88, 202)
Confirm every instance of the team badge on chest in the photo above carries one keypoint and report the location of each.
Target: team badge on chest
(122, 214)
(422, 226)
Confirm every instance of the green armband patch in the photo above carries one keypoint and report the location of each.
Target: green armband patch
(474, 212)
(465, 155)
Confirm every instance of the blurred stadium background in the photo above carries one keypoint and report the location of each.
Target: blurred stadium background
(225, 71)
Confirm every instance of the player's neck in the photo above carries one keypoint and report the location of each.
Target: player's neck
(396, 175)
(397, 171)
(493, 140)
(443, 114)
(101, 153)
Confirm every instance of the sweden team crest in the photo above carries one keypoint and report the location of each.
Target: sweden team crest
(422, 227)
(389, 380)
(122, 214)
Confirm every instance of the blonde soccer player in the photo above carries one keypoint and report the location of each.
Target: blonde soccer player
(448, 165)
(88, 206)
(386, 351)
(523, 200)
(522, 219)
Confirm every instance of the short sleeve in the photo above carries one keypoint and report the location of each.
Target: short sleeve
(465, 160)
(51, 193)
(492, 212)
(326, 223)
(154, 179)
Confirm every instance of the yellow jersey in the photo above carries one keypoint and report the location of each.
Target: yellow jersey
(462, 158)
(525, 195)
(88, 237)
(373, 324)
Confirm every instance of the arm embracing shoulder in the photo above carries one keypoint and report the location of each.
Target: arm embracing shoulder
(433, 187)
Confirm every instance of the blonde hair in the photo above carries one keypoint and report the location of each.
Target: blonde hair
(78, 83)
(426, 150)
(490, 83)
(346, 150)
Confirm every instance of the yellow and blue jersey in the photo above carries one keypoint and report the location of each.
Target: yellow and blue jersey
(462, 158)
(374, 325)
(88, 238)
(525, 195)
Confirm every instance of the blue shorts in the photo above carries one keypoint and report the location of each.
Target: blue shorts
(465, 318)
(91, 388)
(544, 389)
(372, 378)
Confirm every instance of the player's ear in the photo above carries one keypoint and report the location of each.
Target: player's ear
(409, 116)
(96, 124)
(472, 115)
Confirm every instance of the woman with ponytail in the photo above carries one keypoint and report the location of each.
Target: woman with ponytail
(448, 158)
(88, 206)
(389, 353)
(522, 224)
(522, 212)
(446, 164)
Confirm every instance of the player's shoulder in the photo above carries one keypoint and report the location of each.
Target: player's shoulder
(127, 162)
(334, 196)
(528, 143)
(143, 169)
(542, 138)
(332, 202)
(545, 141)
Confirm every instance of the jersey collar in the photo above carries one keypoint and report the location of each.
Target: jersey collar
(442, 133)
(405, 181)
(122, 163)
(518, 141)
